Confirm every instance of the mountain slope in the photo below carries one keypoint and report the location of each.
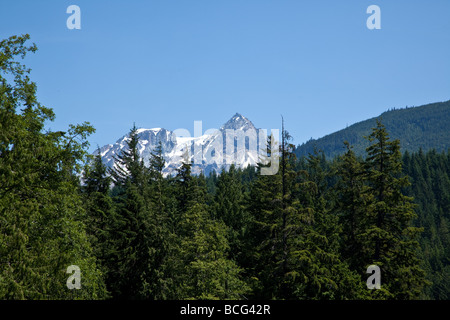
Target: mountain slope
(425, 127)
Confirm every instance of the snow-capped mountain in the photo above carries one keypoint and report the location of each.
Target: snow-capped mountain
(237, 141)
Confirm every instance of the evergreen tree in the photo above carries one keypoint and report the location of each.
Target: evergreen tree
(317, 266)
(157, 278)
(131, 230)
(42, 229)
(99, 210)
(389, 238)
(203, 269)
(430, 171)
(228, 207)
(352, 199)
(263, 243)
(296, 237)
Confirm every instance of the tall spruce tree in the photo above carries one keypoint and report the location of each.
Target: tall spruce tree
(389, 238)
(131, 229)
(98, 203)
(157, 278)
(351, 203)
(99, 211)
(263, 244)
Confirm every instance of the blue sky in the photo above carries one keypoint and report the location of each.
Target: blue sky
(167, 63)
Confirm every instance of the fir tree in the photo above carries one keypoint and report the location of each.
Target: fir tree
(42, 229)
(228, 207)
(99, 209)
(157, 278)
(352, 199)
(389, 238)
(131, 229)
(203, 269)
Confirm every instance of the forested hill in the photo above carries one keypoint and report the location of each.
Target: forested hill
(426, 127)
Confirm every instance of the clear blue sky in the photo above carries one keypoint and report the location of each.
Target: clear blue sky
(167, 63)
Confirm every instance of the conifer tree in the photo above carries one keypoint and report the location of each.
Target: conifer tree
(99, 211)
(130, 251)
(263, 243)
(204, 270)
(352, 199)
(325, 274)
(389, 238)
(157, 279)
(432, 209)
(228, 206)
(296, 237)
(42, 229)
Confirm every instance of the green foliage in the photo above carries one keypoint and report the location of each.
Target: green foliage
(133, 226)
(430, 187)
(229, 207)
(377, 217)
(390, 239)
(203, 267)
(42, 229)
(295, 235)
(352, 198)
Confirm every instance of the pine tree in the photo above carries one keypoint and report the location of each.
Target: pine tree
(319, 270)
(203, 269)
(296, 236)
(351, 206)
(157, 278)
(98, 204)
(429, 173)
(228, 207)
(262, 246)
(130, 254)
(42, 229)
(389, 238)
(99, 211)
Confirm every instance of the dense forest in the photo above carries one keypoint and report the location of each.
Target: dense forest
(308, 232)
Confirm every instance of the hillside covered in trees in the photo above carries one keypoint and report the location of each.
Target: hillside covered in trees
(307, 232)
(426, 127)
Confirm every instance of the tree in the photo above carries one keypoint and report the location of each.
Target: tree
(263, 244)
(318, 270)
(351, 203)
(202, 267)
(100, 214)
(429, 173)
(132, 226)
(42, 229)
(296, 253)
(157, 278)
(389, 238)
(229, 207)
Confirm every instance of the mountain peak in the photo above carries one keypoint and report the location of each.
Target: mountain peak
(202, 151)
(238, 122)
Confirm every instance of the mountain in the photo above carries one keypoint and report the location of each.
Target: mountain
(237, 141)
(426, 127)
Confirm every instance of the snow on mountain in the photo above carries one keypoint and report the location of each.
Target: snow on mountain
(237, 141)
